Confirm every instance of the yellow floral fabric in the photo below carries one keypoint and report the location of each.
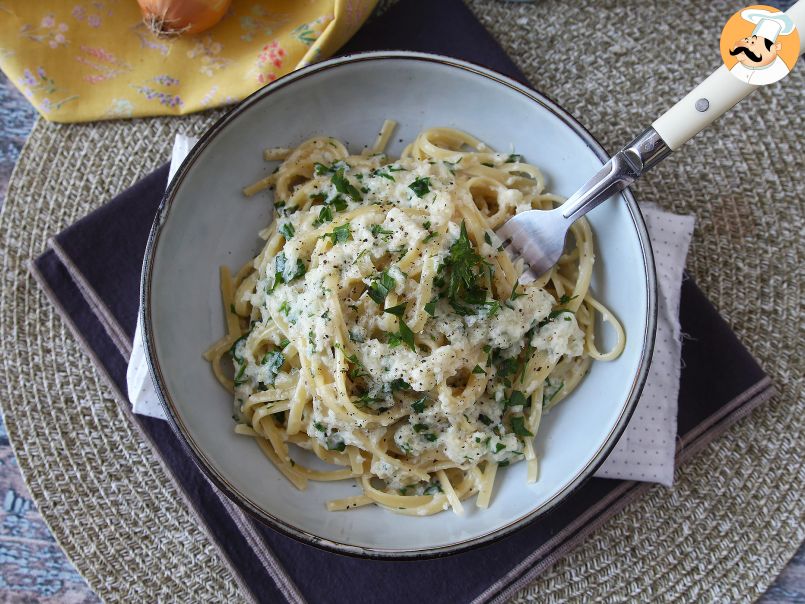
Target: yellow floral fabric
(81, 60)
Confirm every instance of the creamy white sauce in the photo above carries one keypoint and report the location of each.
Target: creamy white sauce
(463, 434)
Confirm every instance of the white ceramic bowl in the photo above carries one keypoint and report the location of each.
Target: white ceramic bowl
(206, 222)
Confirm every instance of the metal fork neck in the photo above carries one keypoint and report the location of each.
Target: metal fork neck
(625, 167)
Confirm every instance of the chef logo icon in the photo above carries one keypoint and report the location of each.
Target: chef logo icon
(760, 45)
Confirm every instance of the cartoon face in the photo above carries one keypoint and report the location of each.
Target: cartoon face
(755, 51)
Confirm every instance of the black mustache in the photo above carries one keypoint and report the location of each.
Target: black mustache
(743, 49)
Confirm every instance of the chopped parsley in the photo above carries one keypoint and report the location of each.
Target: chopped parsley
(385, 173)
(478, 369)
(320, 169)
(403, 336)
(342, 185)
(287, 230)
(421, 428)
(284, 272)
(339, 234)
(239, 376)
(318, 426)
(367, 400)
(397, 311)
(565, 299)
(518, 426)
(335, 442)
(421, 186)
(499, 447)
(337, 202)
(432, 488)
(517, 399)
(484, 419)
(378, 230)
(358, 370)
(399, 384)
(477, 298)
(463, 268)
(513, 158)
(325, 215)
(380, 287)
(507, 367)
(273, 361)
(234, 348)
(283, 211)
(285, 308)
(551, 316)
(491, 307)
(430, 307)
(430, 437)
(419, 406)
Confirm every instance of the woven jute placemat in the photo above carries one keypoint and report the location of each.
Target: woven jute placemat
(734, 516)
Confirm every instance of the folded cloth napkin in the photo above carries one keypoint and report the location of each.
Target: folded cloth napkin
(647, 447)
(91, 273)
(79, 61)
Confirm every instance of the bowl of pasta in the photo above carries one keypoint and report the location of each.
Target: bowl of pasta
(337, 334)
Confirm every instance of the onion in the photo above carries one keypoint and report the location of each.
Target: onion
(176, 17)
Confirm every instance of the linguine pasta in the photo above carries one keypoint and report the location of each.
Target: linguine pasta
(382, 327)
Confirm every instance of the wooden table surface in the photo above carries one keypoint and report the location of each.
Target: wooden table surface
(32, 566)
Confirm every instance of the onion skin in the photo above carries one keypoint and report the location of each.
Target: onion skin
(166, 18)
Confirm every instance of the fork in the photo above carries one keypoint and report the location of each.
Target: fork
(538, 236)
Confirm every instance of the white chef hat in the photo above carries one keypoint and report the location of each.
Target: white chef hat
(768, 25)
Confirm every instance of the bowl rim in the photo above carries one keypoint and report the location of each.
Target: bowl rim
(221, 482)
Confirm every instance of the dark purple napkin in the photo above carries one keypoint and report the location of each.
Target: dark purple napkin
(91, 273)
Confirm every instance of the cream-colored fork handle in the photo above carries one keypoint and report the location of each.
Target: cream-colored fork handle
(713, 97)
